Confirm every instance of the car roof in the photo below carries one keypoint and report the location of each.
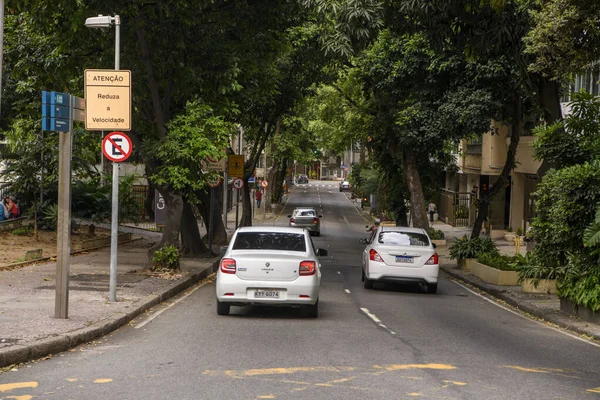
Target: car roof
(268, 229)
(402, 229)
(304, 209)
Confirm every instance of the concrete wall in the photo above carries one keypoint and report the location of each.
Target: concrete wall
(525, 161)
(493, 151)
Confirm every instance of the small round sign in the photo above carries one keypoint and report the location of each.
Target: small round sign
(238, 183)
(213, 180)
(117, 146)
(264, 184)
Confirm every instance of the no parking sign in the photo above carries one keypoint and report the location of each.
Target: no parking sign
(117, 146)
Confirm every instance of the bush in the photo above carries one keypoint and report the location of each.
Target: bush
(23, 231)
(51, 216)
(471, 248)
(565, 207)
(461, 212)
(498, 261)
(435, 234)
(528, 268)
(167, 257)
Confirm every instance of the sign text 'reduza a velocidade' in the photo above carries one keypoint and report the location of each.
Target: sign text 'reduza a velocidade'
(108, 78)
(109, 119)
(108, 96)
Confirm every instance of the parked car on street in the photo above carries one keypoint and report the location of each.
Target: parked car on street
(307, 218)
(400, 254)
(303, 179)
(272, 266)
(344, 186)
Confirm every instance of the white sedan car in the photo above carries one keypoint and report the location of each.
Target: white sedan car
(273, 266)
(400, 254)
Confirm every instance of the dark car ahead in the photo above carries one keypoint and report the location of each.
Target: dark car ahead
(303, 179)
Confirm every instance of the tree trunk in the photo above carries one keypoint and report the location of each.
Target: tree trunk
(270, 191)
(219, 232)
(417, 199)
(549, 100)
(280, 179)
(504, 178)
(191, 242)
(174, 204)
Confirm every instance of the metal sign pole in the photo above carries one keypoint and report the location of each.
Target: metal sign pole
(225, 178)
(210, 218)
(114, 222)
(63, 229)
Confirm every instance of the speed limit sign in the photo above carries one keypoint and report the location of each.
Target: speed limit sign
(238, 183)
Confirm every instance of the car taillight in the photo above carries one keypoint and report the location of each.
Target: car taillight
(315, 221)
(434, 259)
(374, 256)
(308, 268)
(292, 220)
(228, 266)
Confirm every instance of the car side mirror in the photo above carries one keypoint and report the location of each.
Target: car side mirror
(363, 240)
(434, 245)
(367, 226)
(290, 216)
(320, 216)
(322, 252)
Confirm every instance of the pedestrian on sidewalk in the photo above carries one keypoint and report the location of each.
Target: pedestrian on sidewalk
(258, 198)
(431, 208)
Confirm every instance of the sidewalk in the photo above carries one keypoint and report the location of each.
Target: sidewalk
(28, 329)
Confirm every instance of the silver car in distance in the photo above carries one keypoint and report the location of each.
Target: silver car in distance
(272, 266)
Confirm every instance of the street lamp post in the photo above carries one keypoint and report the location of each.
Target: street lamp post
(106, 21)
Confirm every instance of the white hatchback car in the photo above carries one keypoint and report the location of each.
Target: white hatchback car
(274, 266)
(400, 254)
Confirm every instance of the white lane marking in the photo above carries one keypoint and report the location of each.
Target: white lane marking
(172, 304)
(377, 320)
(525, 317)
(347, 291)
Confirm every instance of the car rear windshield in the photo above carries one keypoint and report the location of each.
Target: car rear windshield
(270, 241)
(403, 238)
(305, 213)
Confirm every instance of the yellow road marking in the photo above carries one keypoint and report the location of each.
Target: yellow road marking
(456, 383)
(414, 394)
(72, 379)
(103, 380)
(269, 396)
(276, 371)
(400, 367)
(536, 370)
(18, 385)
(25, 397)
(596, 390)
(331, 383)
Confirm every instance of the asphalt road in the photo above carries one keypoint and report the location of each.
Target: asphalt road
(394, 342)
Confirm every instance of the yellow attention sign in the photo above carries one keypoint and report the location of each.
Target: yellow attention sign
(108, 100)
(236, 166)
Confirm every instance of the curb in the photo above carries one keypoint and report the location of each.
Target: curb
(556, 319)
(40, 348)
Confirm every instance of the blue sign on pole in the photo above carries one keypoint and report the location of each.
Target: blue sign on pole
(56, 109)
(55, 124)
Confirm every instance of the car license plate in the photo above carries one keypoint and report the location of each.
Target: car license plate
(270, 294)
(404, 259)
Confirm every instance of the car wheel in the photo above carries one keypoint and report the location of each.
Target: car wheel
(432, 288)
(223, 308)
(362, 275)
(368, 284)
(318, 233)
(313, 311)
